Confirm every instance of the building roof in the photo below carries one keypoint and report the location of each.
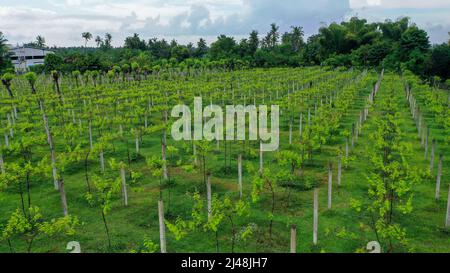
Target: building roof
(29, 51)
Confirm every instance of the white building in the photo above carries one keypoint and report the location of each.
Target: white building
(24, 57)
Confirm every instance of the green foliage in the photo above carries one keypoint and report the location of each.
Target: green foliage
(7, 78)
(5, 62)
(102, 193)
(391, 179)
(32, 225)
(391, 44)
(31, 77)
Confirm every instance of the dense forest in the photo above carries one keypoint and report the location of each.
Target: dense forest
(393, 45)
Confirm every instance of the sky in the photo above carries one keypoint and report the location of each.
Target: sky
(61, 22)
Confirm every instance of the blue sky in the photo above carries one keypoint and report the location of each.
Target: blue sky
(61, 22)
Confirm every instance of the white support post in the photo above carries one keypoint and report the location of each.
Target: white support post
(293, 239)
(240, 174)
(162, 227)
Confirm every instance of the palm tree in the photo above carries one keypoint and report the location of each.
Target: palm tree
(296, 37)
(108, 39)
(271, 39)
(87, 36)
(3, 49)
(3, 41)
(99, 41)
(40, 41)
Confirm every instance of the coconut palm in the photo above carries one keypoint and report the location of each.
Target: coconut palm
(3, 41)
(3, 51)
(108, 39)
(86, 36)
(99, 41)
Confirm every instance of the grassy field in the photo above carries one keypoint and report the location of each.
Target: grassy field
(341, 229)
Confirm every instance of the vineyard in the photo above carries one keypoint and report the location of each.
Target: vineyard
(364, 156)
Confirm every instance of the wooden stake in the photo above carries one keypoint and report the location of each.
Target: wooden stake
(438, 179)
(433, 147)
(316, 215)
(240, 174)
(102, 162)
(309, 117)
(301, 125)
(194, 147)
(447, 219)
(164, 149)
(124, 186)
(290, 133)
(137, 143)
(339, 171)
(419, 127)
(63, 196)
(52, 152)
(261, 160)
(346, 148)
(208, 196)
(6, 141)
(162, 227)
(293, 239)
(330, 184)
(91, 144)
(353, 136)
(422, 139)
(2, 166)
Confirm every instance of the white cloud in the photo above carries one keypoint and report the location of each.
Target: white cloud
(62, 21)
(400, 4)
(431, 15)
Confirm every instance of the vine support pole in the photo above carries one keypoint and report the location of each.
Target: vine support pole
(209, 197)
(102, 161)
(433, 148)
(447, 219)
(240, 174)
(294, 239)
(339, 171)
(2, 167)
(261, 160)
(63, 196)
(438, 179)
(162, 227)
(316, 215)
(330, 184)
(124, 186)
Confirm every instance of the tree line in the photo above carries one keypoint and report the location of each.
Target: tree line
(392, 45)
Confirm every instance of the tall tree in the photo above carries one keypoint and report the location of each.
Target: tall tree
(134, 42)
(201, 49)
(107, 41)
(98, 41)
(440, 61)
(159, 48)
(224, 47)
(40, 41)
(411, 40)
(4, 62)
(271, 40)
(87, 36)
(253, 42)
(296, 38)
